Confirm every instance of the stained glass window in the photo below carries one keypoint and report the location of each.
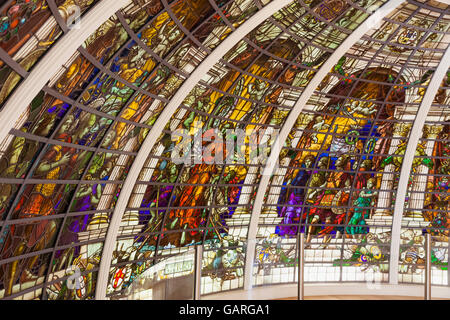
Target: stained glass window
(72, 157)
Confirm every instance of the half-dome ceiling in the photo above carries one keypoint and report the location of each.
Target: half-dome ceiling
(349, 100)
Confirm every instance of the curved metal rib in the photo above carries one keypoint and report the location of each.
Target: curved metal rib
(372, 21)
(153, 135)
(415, 135)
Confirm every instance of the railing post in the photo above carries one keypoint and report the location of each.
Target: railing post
(428, 266)
(198, 271)
(301, 264)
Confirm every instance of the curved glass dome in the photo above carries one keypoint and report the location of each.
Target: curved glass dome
(230, 124)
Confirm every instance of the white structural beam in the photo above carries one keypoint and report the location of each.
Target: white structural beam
(415, 135)
(156, 130)
(370, 23)
(53, 60)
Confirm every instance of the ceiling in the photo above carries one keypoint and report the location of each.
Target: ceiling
(347, 102)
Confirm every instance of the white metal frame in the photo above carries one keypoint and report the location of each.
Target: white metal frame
(415, 135)
(372, 21)
(155, 132)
